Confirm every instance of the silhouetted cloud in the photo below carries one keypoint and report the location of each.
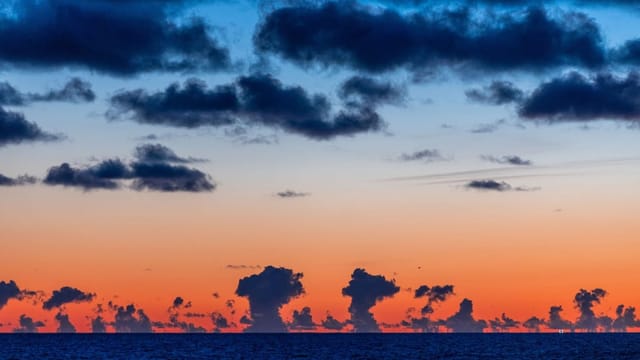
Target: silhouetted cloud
(493, 185)
(106, 36)
(170, 178)
(576, 97)
(220, 322)
(64, 324)
(331, 323)
(98, 325)
(353, 36)
(158, 153)
(149, 172)
(267, 292)
(8, 290)
(533, 324)
(15, 129)
(130, 320)
(365, 291)
(556, 321)
(434, 295)
(427, 155)
(66, 295)
(507, 159)
(302, 320)
(625, 318)
(367, 91)
(463, 320)
(20, 180)
(75, 90)
(257, 99)
(585, 300)
(28, 325)
(288, 194)
(503, 323)
(497, 93)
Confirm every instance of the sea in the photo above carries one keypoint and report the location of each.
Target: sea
(320, 346)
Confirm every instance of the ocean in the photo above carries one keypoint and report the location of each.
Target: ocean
(320, 346)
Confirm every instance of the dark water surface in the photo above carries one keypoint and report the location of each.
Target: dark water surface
(320, 346)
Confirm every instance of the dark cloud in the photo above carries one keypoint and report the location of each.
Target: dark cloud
(503, 323)
(507, 159)
(302, 320)
(100, 176)
(463, 320)
(98, 325)
(427, 155)
(533, 324)
(488, 185)
(288, 194)
(10, 95)
(8, 290)
(258, 99)
(170, 178)
(488, 128)
(497, 93)
(20, 180)
(75, 90)
(354, 36)
(576, 97)
(366, 91)
(220, 322)
(365, 291)
(434, 295)
(585, 300)
(66, 295)
(130, 320)
(267, 292)
(158, 153)
(28, 325)
(106, 36)
(15, 129)
(152, 171)
(556, 321)
(331, 323)
(64, 324)
(625, 318)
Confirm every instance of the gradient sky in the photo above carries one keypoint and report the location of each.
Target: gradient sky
(504, 166)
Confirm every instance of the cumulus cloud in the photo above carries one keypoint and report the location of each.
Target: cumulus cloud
(556, 321)
(494, 185)
(503, 323)
(434, 295)
(64, 324)
(20, 180)
(257, 99)
(497, 93)
(507, 160)
(106, 36)
(98, 325)
(576, 97)
(533, 324)
(8, 290)
(28, 325)
(331, 323)
(267, 292)
(302, 320)
(365, 291)
(584, 301)
(153, 170)
(354, 36)
(220, 322)
(366, 91)
(66, 295)
(158, 153)
(625, 318)
(463, 320)
(130, 320)
(15, 129)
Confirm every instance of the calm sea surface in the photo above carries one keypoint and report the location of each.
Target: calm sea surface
(321, 346)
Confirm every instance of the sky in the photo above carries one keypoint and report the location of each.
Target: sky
(353, 166)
